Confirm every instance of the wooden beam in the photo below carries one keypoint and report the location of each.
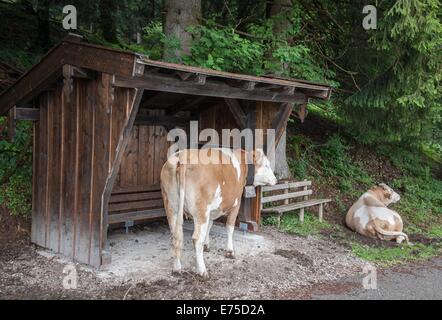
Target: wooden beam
(289, 90)
(279, 123)
(101, 59)
(83, 73)
(139, 69)
(210, 88)
(31, 114)
(249, 85)
(147, 102)
(169, 121)
(186, 106)
(302, 112)
(68, 81)
(238, 113)
(200, 79)
(75, 53)
(246, 85)
(184, 75)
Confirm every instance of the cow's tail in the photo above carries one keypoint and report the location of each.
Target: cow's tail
(178, 232)
(390, 233)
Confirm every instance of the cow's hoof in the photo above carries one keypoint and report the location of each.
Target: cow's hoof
(204, 274)
(229, 254)
(177, 272)
(206, 248)
(176, 267)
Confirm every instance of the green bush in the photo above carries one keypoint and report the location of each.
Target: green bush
(270, 220)
(16, 169)
(421, 199)
(223, 49)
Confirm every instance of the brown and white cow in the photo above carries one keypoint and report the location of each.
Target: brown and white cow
(206, 190)
(370, 216)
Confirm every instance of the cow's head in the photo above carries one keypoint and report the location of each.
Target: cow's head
(263, 172)
(388, 194)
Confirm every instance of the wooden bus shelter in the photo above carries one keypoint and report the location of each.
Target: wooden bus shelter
(100, 123)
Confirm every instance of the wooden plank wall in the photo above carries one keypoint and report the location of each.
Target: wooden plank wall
(265, 113)
(74, 148)
(144, 157)
(218, 117)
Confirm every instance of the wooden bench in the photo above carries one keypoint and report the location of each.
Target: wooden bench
(130, 204)
(285, 200)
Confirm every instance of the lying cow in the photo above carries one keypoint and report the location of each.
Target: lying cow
(370, 216)
(206, 192)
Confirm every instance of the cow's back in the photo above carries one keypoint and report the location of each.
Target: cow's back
(207, 171)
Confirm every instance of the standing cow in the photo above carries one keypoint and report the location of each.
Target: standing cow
(205, 191)
(370, 216)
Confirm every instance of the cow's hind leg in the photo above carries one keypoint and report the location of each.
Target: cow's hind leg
(176, 227)
(230, 227)
(199, 236)
(207, 240)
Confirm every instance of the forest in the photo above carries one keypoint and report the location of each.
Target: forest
(382, 124)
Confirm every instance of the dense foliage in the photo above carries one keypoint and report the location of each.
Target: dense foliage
(16, 169)
(387, 81)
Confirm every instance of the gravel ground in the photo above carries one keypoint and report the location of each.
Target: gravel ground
(271, 265)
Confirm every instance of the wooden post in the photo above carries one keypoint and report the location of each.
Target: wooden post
(286, 201)
(305, 189)
(256, 208)
(12, 129)
(321, 212)
(301, 215)
(301, 212)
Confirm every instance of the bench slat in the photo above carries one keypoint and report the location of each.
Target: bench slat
(294, 206)
(137, 215)
(135, 205)
(128, 197)
(284, 196)
(133, 189)
(288, 185)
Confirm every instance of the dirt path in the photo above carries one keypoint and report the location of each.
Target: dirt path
(267, 266)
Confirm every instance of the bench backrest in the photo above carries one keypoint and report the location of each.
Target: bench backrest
(135, 199)
(286, 191)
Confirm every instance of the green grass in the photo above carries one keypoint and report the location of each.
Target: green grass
(435, 232)
(395, 255)
(290, 223)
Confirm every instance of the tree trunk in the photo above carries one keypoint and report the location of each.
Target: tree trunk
(280, 27)
(279, 14)
(108, 19)
(43, 31)
(179, 16)
(282, 170)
